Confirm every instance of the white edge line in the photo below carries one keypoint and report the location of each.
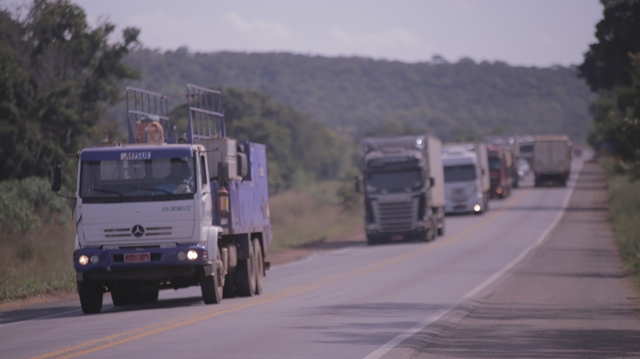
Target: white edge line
(391, 344)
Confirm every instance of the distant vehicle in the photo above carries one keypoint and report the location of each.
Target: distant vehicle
(510, 145)
(526, 149)
(523, 168)
(552, 159)
(403, 184)
(500, 171)
(466, 177)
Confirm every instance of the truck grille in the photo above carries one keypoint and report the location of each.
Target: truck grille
(397, 216)
(127, 232)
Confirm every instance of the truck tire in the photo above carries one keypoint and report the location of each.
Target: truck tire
(245, 275)
(211, 285)
(120, 297)
(257, 249)
(152, 296)
(90, 296)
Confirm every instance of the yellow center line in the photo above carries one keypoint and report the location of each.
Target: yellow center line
(145, 331)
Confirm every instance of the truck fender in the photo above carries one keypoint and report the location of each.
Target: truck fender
(76, 243)
(213, 233)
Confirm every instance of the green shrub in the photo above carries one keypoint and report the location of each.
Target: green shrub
(624, 197)
(28, 203)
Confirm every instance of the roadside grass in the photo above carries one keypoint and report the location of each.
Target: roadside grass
(39, 261)
(624, 197)
(312, 214)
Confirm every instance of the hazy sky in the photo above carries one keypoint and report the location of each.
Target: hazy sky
(520, 32)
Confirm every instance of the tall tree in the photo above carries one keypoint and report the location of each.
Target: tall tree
(611, 68)
(57, 75)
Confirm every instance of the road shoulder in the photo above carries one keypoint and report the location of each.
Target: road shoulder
(568, 298)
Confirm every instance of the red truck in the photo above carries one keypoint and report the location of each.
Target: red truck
(500, 171)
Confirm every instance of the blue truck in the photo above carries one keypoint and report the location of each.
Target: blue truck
(166, 211)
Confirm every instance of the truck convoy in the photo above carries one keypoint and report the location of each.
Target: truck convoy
(403, 188)
(551, 159)
(466, 177)
(162, 212)
(500, 171)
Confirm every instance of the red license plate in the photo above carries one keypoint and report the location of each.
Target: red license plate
(397, 237)
(137, 257)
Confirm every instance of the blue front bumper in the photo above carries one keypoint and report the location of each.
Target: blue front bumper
(163, 263)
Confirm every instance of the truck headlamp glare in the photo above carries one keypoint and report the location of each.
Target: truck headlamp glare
(476, 207)
(83, 260)
(192, 255)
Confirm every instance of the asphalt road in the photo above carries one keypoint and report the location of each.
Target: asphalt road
(536, 276)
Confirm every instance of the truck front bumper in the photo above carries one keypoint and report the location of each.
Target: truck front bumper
(140, 263)
(418, 234)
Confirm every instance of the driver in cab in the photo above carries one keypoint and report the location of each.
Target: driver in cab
(180, 176)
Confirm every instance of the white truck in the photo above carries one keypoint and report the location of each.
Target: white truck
(403, 199)
(163, 212)
(466, 177)
(551, 159)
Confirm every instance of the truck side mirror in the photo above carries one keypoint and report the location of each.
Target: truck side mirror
(357, 183)
(56, 177)
(243, 165)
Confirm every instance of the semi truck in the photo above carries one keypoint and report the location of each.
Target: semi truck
(466, 177)
(500, 171)
(510, 145)
(403, 185)
(551, 159)
(169, 212)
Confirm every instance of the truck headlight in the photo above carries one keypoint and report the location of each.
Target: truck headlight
(83, 260)
(192, 255)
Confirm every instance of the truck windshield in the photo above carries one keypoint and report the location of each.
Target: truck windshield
(458, 173)
(137, 180)
(396, 181)
(495, 163)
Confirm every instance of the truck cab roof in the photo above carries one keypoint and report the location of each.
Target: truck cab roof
(139, 152)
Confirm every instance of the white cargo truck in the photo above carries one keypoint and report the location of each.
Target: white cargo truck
(162, 212)
(466, 177)
(551, 159)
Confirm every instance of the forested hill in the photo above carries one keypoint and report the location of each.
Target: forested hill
(351, 95)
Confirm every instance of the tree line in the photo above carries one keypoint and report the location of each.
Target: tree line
(611, 67)
(351, 95)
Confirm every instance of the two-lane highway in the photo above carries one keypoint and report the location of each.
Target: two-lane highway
(357, 302)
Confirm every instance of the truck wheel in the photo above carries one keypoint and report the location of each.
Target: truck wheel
(151, 296)
(433, 233)
(143, 297)
(211, 286)
(229, 288)
(120, 297)
(257, 249)
(245, 275)
(90, 296)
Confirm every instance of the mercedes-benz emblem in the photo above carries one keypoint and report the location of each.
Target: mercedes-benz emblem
(137, 230)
